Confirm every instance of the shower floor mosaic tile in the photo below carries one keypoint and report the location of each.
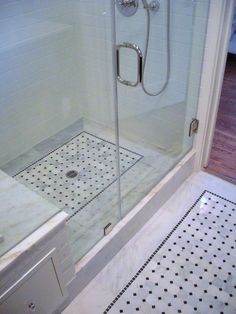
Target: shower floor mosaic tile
(76, 173)
(193, 270)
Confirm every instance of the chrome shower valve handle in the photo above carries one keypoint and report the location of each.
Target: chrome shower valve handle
(127, 7)
(128, 3)
(130, 7)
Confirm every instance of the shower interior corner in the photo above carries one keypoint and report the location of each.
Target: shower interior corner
(58, 124)
(76, 170)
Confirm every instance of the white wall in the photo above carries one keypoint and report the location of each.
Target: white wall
(188, 20)
(188, 23)
(56, 65)
(95, 43)
(133, 29)
(218, 35)
(38, 72)
(199, 45)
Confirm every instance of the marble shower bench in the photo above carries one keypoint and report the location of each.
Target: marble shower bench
(36, 264)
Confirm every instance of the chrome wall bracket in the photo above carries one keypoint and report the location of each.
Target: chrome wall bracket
(153, 6)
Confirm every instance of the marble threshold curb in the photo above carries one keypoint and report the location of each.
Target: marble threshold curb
(96, 259)
(22, 249)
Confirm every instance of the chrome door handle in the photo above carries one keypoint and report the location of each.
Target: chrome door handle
(139, 64)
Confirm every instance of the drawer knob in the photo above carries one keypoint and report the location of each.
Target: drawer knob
(31, 306)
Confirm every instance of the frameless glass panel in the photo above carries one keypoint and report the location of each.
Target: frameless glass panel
(154, 117)
(57, 112)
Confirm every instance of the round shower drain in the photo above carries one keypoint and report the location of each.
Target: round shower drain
(71, 173)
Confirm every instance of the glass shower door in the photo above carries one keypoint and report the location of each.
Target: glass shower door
(160, 46)
(57, 125)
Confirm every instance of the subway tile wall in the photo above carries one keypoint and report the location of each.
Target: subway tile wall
(187, 18)
(188, 24)
(94, 31)
(44, 81)
(38, 72)
(56, 64)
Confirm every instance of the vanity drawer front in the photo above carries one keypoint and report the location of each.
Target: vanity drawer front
(39, 291)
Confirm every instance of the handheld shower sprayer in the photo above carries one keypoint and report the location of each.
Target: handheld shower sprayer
(145, 4)
(154, 6)
(129, 8)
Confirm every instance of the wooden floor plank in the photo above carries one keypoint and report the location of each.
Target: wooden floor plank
(223, 154)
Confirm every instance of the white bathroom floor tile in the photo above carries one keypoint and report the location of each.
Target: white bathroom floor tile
(76, 173)
(89, 192)
(198, 257)
(141, 178)
(209, 259)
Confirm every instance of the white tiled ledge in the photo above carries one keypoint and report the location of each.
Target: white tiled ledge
(22, 211)
(53, 235)
(22, 248)
(33, 32)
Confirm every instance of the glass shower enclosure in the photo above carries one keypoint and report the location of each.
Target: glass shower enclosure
(96, 99)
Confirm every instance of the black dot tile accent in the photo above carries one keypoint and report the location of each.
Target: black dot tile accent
(193, 269)
(93, 159)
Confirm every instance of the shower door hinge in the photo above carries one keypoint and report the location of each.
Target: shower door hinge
(1, 238)
(107, 228)
(193, 128)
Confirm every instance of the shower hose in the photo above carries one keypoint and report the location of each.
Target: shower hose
(147, 7)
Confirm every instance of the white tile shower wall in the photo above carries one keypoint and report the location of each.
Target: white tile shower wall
(94, 31)
(39, 76)
(200, 38)
(185, 16)
(133, 29)
(56, 65)
(187, 33)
